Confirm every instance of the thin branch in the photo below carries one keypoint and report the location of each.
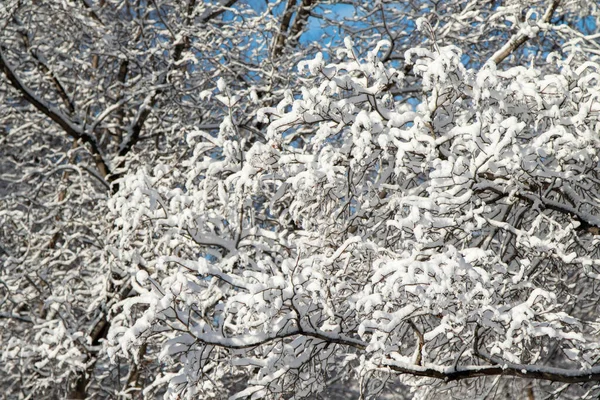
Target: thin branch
(507, 369)
(145, 110)
(588, 222)
(208, 15)
(420, 343)
(14, 316)
(259, 340)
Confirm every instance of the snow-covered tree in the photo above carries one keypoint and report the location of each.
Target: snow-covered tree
(257, 200)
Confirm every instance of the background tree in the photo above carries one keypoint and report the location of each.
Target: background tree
(184, 211)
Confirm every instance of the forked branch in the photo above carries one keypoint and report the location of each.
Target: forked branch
(522, 36)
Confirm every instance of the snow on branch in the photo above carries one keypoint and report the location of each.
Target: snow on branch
(384, 238)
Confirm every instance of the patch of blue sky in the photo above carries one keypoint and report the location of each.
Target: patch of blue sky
(259, 6)
(317, 30)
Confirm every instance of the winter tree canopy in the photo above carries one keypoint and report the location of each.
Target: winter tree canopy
(299, 199)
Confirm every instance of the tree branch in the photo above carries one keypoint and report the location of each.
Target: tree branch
(301, 18)
(295, 29)
(62, 92)
(523, 371)
(588, 222)
(209, 14)
(70, 128)
(283, 28)
(15, 316)
(521, 37)
(146, 108)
